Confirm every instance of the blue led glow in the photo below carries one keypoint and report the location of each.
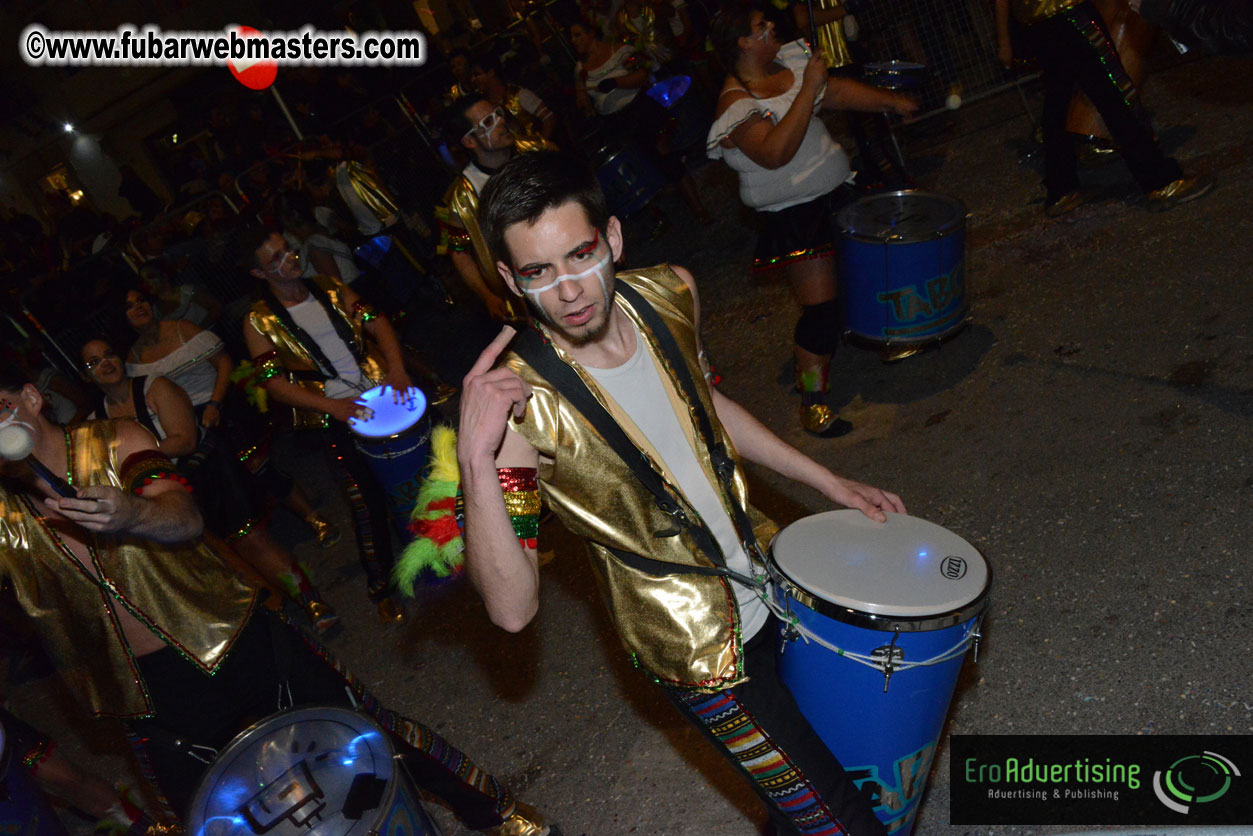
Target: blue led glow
(389, 417)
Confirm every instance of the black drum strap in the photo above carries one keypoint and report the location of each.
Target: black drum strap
(532, 347)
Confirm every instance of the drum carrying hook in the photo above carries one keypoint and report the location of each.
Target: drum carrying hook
(887, 665)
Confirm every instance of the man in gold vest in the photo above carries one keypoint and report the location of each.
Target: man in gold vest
(485, 130)
(706, 639)
(148, 625)
(308, 341)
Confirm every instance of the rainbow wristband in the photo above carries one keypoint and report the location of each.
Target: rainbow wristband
(522, 502)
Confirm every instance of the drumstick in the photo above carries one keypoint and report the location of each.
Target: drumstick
(813, 27)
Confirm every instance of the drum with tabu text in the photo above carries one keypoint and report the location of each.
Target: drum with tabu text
(882, 617)
(902, 270)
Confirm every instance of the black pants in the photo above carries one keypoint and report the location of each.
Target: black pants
(370, 512)
(1075, 51)
(272, 667)
(759, 728)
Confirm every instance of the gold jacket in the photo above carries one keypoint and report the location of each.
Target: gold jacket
(1034, 11)
(293, 360)
(183, 592)
(831, 38)
(463, 206)
(684, 629)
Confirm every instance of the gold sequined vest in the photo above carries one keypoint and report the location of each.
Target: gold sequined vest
(182, 592)
(684, 629)
(296, 360)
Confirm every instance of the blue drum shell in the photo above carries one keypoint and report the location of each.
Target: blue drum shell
(628, 178)
(902, 267)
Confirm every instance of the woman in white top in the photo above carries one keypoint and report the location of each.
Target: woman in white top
(188, 355)
(793, 174)
(197, 362)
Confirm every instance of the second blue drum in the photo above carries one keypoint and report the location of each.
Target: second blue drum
(396, 441)
(902, 270)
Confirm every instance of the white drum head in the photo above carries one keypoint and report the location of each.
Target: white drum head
(903, 568)
(390, 418)
(293, 774)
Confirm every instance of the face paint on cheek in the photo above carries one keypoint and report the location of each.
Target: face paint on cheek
(8, 415)
(598, 268)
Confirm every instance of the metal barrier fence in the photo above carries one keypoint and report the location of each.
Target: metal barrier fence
(955, 40)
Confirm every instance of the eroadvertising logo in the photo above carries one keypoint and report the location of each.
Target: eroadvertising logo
(1090, 779)
(1194, 779)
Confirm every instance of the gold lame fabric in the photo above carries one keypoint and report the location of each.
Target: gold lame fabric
(294, 357)
(371, 191)
(831, 38)
(684, 629)
(183, 592)
(1034, 11)
(463, 204)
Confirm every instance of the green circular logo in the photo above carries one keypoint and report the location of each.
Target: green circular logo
(1194, 779)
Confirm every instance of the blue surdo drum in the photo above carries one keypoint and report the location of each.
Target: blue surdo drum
(24, 811)
(627, 176)
(883, 616)
(902, 270)
(395, 440)
(315, 771)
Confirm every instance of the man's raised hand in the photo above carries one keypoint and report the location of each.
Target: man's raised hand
(488, 397)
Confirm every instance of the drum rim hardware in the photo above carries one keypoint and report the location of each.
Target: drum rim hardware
(845, 218)
(888, 623)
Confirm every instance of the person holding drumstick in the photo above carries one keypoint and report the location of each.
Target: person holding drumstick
(307, 338)
(606, 404)
(794, 175)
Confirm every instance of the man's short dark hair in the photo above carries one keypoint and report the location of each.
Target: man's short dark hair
(12, 379)
(250, 239)
(456, 124)
(529, 185)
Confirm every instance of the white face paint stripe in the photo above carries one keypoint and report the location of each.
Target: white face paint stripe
(598, 268)
(8, 415)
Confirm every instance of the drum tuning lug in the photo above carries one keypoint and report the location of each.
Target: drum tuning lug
(887, 677)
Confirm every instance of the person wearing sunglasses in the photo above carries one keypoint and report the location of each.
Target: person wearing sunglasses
(486, 131)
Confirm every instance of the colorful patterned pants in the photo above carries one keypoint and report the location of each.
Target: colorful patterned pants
(758, 727)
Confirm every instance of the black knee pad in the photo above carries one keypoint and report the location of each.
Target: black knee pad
(818, 329)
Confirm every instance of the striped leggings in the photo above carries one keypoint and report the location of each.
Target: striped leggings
(758, 727)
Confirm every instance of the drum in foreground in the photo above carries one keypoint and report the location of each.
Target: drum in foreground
(886, 613)
(308, 772)
(902, 270)
(396, 441)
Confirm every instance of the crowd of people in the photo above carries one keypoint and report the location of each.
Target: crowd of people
(291, 278)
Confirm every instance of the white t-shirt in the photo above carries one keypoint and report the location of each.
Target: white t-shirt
(615, 67)
(349, 380)
(348, 271)
(818, 166)
(637, 387)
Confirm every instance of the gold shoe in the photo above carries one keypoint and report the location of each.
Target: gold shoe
(525, 821)
(816, 417)
(1064, 204)
(1179, 191)
(327, 532)
(443, 393)
(389, 613)
(820, 420)
(323, 617)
